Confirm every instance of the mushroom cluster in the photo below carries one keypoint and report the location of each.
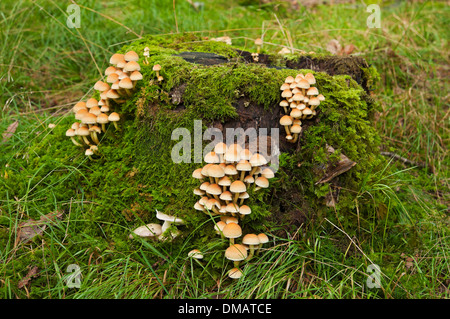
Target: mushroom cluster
(95, 114)
(300, 100)
(230, 174)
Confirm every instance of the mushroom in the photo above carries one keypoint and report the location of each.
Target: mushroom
(212, 158)
(303, 85)
(89, 153)
(235, 273)
(94, 130)
(218, 227)
(243, 166)
(216, 171)
(131, 56)
(215, 190)
(252, 240)
(236, 188)
(310, 78)
(131, 66)
(136, 76)
(236, 253)
(127, 85)
(114, 118)
(79, 106)
(232, 231)
(157, 68)
(226, 196)
(244, 210)
(286, 121)
(296, 130)
(168, 221)
(267, 173)
(262, 240)
(102, 119)
(256, 161)
(224, 182)
(116, 58)
(261, 182)
(83, 131)
(197, 174)
(197, 255)
(71, 133)
(220, 149)
(147, 231)
(258, 43)
(242, 197)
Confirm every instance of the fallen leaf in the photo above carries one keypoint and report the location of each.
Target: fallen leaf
(334, 47)
(10, 131)
(348, 49)
(32, 273)
(29, 229)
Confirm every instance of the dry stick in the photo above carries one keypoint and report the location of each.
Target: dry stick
(403, 159)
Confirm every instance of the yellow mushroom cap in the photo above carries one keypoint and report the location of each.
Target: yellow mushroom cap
(258, 160)
(286, 120)
(261, 181)
(114, 117)
(131, 56)
(235, 273)
(245, 210)
(263, 238)
(250, 239)
(236, 252)
(238, 187)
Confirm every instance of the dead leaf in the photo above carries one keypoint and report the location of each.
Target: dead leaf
(32, 273)
(334, 47)
(348, 49)
(29, 229)
(10, 131)
(340, 167)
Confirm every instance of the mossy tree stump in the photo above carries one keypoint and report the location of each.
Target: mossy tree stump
(224, 88)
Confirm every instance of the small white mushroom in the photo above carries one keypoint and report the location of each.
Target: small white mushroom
(168, 221)
(147, 231)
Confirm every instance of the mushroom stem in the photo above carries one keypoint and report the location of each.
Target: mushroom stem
(75, 142)
(252, 251)
(116, 126)
(295, 138)
(242, 176)
(236, 263)
(94, 137)
(235, 198)
(286, 127)
(86, 140)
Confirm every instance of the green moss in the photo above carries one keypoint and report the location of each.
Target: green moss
(134, 175)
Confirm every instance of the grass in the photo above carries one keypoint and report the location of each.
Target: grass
(46, 67)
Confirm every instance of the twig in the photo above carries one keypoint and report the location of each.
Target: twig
(403, 159)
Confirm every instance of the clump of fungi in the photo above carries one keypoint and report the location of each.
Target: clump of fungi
(95, 114)
(232, 173)
(300, 100)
